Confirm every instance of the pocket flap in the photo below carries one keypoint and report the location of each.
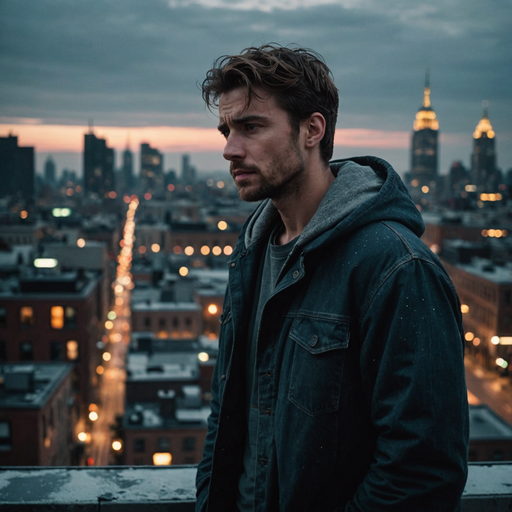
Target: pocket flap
(319, 334)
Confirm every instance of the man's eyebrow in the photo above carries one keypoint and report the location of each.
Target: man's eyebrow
(242, 120)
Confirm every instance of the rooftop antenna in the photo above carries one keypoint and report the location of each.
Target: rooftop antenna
(90, 125)
(485, 107)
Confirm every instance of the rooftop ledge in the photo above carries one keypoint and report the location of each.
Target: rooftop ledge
(158, 489)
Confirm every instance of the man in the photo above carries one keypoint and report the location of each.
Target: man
(339, 384)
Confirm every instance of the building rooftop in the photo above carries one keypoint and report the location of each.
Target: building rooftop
(30, 385)
(485, 424)
(488, 270)
(49, 285)
(166, 306)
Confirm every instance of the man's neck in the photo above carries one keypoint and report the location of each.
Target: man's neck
(297, 209)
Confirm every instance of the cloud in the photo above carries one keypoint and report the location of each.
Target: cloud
(131, 63)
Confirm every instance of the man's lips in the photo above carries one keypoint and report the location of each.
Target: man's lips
(240, 173)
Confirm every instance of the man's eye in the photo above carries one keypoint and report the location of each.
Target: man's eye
(250, 127)
(224, 133)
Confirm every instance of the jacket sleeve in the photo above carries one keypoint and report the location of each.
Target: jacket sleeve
(413, 375)
(205, 466)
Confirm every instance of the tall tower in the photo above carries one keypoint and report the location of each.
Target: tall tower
(127, 168)
(424, 154)
(49, 171)
(483, 160)
(151, 170)
(98, 166)
(16, 169)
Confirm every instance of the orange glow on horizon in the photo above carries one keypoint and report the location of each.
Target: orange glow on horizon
(63, 138)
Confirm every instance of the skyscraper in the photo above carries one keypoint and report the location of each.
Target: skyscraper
(16, 169)
(127, 168)
(49, 171)
(151, 170)
(188, 171)
(98, 166)
(483, 159)
(424, 153)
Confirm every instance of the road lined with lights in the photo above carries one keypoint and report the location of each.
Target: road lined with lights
(111, 372)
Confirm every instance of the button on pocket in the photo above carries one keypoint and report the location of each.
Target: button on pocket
(317, 366)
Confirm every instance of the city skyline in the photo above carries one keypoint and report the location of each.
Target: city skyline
(133, 69)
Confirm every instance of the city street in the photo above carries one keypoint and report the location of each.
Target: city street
(489, 388)
(112, 372)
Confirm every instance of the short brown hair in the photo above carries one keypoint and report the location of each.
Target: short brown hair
(297, 77)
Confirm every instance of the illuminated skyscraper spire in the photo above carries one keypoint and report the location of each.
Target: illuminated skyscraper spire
(426, 117)
(424, 139)
(483, 160)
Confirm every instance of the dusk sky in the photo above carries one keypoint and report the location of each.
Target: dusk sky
(133, 66)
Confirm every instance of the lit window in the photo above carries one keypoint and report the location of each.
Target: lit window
(222, 225)
(189, 250)
(205, 250)
(162, 459)
(217, 250)
(228, 250)
(57, 317)
(72, 350)
(27, 316)
(212, 309)
(62, 317)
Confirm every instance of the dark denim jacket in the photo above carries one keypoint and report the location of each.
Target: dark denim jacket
(361, 380)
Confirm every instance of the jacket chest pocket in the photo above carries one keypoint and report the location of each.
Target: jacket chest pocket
(317, 367)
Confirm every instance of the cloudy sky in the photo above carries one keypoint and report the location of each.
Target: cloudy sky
(132, 66)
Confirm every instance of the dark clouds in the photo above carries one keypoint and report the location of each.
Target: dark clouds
(132, 62)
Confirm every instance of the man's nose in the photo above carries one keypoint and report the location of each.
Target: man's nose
(234, 148)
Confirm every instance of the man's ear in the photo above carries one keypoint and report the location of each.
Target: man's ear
(315, 129)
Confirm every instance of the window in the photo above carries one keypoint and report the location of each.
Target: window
(147, 322)
(27, 316)
(188, 321)
(189, 444)
(139, 445)
(72, 350)
(161, 323)
(26, 351)
(56, 351)
(175, 321)
(5, 436)
(3, 316)
(163, 444)
(61, 317)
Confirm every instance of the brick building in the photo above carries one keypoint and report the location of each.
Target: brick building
(36, 415)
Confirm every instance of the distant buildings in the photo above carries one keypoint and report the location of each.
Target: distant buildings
(98, 166)
(16, 169)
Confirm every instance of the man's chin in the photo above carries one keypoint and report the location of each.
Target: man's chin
(251, 195)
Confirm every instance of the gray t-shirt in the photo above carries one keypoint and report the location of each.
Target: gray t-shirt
(270, 267)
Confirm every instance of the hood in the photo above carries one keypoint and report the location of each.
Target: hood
(366, 189)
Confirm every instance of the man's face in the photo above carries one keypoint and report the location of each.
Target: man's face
(265, 155)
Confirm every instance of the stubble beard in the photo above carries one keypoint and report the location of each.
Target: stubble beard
(284, 179)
